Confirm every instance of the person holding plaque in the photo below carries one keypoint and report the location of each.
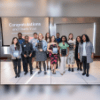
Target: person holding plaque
(71, 56)
(53, 53)
(41, 48)
(27, 50)
(64, 51)
(15, 51)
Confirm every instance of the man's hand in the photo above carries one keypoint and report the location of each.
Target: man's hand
(60, 55)
(30, 55)
(25, 56)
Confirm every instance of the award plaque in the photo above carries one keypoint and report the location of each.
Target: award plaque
(16, 53)
(39, 45)
(71, 46)
(55, 50)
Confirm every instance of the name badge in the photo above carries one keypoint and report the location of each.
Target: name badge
(24, 45)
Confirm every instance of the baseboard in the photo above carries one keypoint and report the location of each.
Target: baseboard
(96, 56)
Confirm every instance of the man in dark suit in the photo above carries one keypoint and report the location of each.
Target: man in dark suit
(27, 50)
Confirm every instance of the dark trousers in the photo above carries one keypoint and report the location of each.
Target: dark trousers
(26, 61)
(85, 65)
(43, 65)
(17, 66)
(23, 62)
(79, 64)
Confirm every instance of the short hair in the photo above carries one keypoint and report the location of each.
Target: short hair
(19, 33)
(58, 33)
(26, 36)
(35, 33)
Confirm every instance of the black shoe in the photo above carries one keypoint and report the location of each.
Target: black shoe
(83, 73)
(87, 75)
(25, 73)
(57, 66)
(37, 67)
(72, 69)
(39, 72)
(47, 68)
(16, 76)
(54, 72)
(69, 69)
(77, 68)
(31, 73)
(45, 73)
(80, 69)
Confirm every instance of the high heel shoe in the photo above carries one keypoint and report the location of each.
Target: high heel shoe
(54, 72)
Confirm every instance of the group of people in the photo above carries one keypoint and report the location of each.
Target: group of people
(48, 48)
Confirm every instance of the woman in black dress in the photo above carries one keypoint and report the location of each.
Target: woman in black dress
(79, 64)
(48, 38)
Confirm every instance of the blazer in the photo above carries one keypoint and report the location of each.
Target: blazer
(89, 51)
(27, 47)
(44, 47)
(12, 50)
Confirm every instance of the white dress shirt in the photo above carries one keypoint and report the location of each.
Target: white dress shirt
(84, 48)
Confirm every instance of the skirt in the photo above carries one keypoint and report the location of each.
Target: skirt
(71, 58)
(41, 56)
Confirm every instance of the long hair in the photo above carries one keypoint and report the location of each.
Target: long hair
(87, 38)
(80, 39)
(64, 37)
(48, 37)
(69, 35)
(51, 39)
(17, 44)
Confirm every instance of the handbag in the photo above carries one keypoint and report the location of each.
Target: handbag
(55, 50)
(63, 52)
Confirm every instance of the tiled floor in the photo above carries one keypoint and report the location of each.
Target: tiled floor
(8, 76)
(50, 92)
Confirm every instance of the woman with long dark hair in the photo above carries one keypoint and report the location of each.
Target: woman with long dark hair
(47, 38)
(71, 56)
(86, 54)
(64, 51)
(53, 53)
(15, 51)
(79, 64)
